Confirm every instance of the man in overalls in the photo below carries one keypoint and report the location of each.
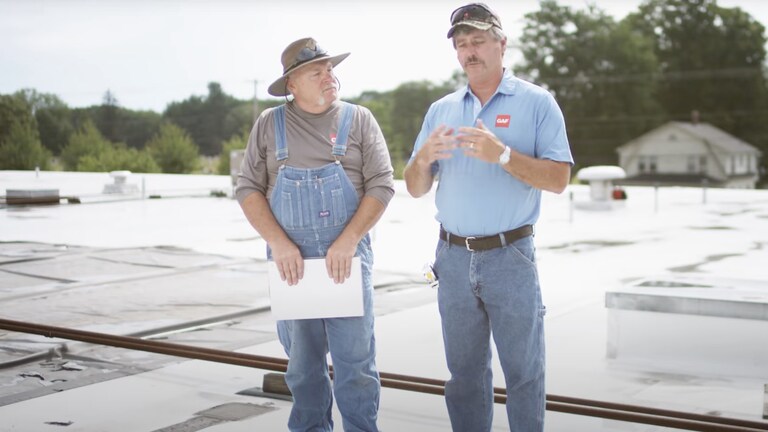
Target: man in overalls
(315, 179)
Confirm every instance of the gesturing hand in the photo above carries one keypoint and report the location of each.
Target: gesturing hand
(438, 145)
(479, 142)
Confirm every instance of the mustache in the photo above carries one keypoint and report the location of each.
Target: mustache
(471, 59)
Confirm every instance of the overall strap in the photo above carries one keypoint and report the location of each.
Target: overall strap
(339, 147)
(281, 148)
(345, 124)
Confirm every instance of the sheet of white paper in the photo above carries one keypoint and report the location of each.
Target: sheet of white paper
(316, 295)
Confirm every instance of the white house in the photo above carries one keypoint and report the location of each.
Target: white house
(683, 153)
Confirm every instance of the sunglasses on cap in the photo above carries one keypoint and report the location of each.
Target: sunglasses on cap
(475, 12)
(306, 54)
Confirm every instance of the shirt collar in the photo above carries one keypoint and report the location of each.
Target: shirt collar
(507, 86)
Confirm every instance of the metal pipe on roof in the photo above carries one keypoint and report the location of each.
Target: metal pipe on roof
(564, 402)
(570, 405)
(655, 411)
(178, 350)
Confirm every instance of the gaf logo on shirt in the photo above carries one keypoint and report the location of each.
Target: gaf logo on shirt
(502, 120)
(333, 138)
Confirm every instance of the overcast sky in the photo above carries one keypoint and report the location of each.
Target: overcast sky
(151, 53)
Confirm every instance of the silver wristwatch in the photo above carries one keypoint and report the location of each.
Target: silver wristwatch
(504, 156)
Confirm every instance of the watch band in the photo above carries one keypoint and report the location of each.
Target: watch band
(504, 156)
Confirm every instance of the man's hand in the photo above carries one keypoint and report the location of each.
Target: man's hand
(338, 261)
(479, 142)
(438, 146)
(544, 174)
(289, 261)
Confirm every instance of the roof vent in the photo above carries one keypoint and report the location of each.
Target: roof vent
(121, 184)
(695, 117)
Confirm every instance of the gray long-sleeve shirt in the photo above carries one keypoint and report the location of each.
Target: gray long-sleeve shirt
(366, 162)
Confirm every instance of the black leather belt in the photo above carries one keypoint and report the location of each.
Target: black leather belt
(489, 242)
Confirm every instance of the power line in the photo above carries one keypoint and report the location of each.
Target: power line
(737, 72)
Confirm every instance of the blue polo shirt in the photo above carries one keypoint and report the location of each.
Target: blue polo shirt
(476, 198)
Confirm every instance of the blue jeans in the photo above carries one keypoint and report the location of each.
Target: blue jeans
(352, 347)
(493, 292)
(313, 207)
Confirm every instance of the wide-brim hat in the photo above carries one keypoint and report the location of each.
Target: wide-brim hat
(476, 15)
(299, 54)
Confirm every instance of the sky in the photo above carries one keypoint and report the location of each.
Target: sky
(151, 53)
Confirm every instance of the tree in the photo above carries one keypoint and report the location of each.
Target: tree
(380, 105)
(53, 118)
(235, 143)
(20, 149)
(711, 61)
(410, 102)
(600, 72)
(400, 114)
(207, 120)
(216, 107)
(707, 54)
(15, 111)
(173, 150)
(119, 157)
(86, 142)
(117, 124)
(88, 150)
(239, 119)
(107, 117)
(136, 128)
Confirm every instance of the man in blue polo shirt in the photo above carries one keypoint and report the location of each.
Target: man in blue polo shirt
(494, 145)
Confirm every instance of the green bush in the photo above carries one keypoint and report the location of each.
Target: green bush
(173, 150)
(87, 142)
(119, 157)
(235, 143)
(21, 149)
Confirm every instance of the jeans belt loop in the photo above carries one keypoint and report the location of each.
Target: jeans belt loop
(466, 243)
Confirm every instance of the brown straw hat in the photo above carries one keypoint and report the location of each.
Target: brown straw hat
(297, 54)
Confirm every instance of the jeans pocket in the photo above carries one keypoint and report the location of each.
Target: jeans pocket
(339, 207)
(365, 252)
(524, 250)
(286, 216)
(442, 246)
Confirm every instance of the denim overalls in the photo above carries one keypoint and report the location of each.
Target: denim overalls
(313, 206)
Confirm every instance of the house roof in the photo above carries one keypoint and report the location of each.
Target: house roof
(708, 133)
(717, 137)
(670, 179)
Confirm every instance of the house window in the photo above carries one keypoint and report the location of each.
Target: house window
(703, 164)
(691, 166)
(646, 164)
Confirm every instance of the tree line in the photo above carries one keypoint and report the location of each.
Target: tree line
(614, 81)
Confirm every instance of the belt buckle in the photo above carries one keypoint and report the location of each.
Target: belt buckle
(466, 243)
